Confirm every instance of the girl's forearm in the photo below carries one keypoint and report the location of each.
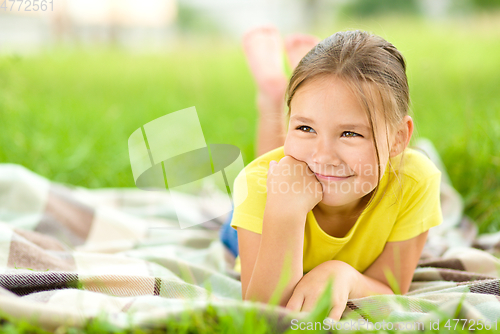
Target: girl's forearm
(367, 286)
(282, 240)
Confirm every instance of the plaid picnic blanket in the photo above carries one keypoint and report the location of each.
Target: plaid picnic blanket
(69, 254)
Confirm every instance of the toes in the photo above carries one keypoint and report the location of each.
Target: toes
(297, 46)
(297, 40)
(260, 31)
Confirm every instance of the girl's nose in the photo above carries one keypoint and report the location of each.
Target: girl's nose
(325, 155)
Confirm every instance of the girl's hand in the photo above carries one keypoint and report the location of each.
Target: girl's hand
(312, 285)
(292, 186)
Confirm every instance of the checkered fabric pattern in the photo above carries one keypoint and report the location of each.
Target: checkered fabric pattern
(67, 254)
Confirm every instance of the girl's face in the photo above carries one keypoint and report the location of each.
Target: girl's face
(330, 132)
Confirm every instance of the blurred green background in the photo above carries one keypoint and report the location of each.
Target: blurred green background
(67, 112)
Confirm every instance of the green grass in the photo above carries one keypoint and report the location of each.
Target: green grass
(67, 113)
(211, 320)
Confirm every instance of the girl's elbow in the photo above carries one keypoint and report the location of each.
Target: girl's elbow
(263, 298)
(253, 297)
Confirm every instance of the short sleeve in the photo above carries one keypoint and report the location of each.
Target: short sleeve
(420, 208)
(249, 214)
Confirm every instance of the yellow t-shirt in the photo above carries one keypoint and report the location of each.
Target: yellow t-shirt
(398, 212)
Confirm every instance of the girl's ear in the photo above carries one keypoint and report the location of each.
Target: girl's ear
(402, 137)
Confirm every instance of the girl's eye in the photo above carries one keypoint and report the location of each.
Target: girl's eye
(305, 128)
(351, 134)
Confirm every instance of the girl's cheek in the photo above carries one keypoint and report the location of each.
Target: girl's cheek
(363, 163)
(296, 149)
(289, 146)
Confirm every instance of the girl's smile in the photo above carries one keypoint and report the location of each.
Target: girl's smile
(331, 177)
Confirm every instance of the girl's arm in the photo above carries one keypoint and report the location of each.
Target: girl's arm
(398, 258)
(280, 250)
(282, 237)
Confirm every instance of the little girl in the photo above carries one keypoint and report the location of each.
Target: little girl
(344, 198)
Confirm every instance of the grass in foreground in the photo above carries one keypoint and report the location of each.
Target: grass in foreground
(212, 321)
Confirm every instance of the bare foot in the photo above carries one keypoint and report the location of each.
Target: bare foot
(264, 51)
(297, 46)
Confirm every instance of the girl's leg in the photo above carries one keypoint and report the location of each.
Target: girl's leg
(264, 51)
(229, 236)
(297, 46)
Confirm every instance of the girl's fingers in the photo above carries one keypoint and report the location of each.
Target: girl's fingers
(309, 303)
(295, 302)
(337, 310)
(272, 163)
